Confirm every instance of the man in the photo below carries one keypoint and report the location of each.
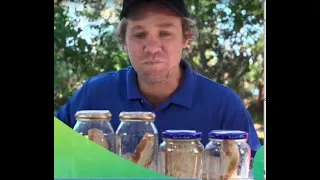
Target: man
(155, 35)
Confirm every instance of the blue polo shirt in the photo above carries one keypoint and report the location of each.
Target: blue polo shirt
(200, 104)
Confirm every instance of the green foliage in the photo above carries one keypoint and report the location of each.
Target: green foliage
(75, 59)
(229, 49)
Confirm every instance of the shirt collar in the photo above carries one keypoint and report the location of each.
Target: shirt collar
(184, 95)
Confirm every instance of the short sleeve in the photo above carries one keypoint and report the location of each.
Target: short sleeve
(237, 117)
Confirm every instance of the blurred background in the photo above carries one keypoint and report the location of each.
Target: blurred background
(229, 49)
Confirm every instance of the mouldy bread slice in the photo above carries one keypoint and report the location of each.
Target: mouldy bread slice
(230, 157)
(144, 151)
(97, 136)
(183, 163)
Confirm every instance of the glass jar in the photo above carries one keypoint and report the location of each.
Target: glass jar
(181, 154)
(227, 155)
(137, 139)
(95, 125)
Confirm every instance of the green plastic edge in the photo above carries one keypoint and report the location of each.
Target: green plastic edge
(77, 157)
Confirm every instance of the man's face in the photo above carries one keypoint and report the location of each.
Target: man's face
(154, 42)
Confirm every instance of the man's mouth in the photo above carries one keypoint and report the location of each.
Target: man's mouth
(153, 62)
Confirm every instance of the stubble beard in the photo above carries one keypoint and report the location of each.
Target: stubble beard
(164, 77)
(158, 80)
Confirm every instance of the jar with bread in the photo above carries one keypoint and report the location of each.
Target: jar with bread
(95, 125)
(181, 154)
(137, 139)
(227, 155)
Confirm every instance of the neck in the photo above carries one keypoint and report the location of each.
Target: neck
(160, 92)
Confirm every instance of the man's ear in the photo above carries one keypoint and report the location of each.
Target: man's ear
(186, 40)
(186, 43)
(125, 48)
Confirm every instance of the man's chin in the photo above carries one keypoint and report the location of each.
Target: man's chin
(154, 78)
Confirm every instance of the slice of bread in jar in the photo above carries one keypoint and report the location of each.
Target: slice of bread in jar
(183, 162)
(144, 151)
(230, 157)
(97, 136)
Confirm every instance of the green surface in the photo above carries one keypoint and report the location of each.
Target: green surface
(77, 157)
(258, 164)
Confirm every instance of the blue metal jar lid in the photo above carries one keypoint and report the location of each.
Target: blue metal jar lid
(228, 134)
(181, 134)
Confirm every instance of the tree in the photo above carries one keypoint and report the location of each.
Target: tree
(229, 49)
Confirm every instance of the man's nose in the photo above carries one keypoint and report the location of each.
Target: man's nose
(152, 46)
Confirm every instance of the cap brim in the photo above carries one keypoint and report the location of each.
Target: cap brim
(123, 13)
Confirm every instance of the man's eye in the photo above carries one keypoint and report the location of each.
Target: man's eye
(140, 35)
(165, 34)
